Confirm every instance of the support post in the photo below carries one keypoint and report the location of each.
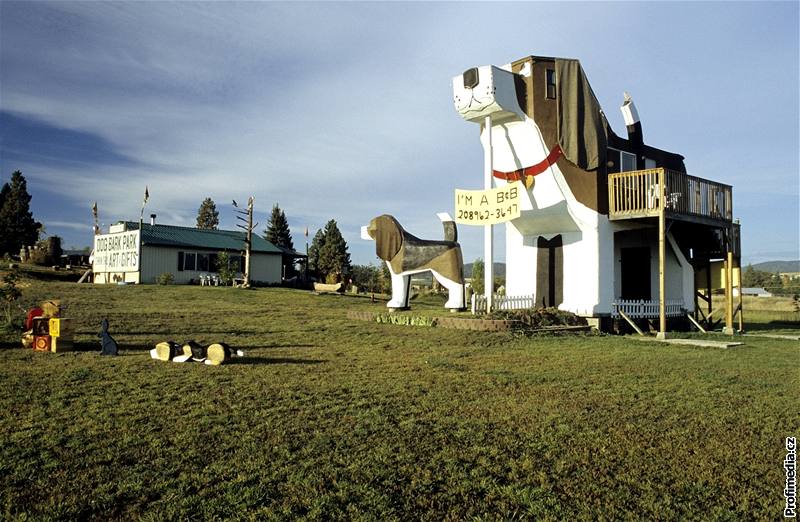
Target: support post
(662, 305)
(741, 300)
(708, 289)
(488, 238)
(729, 294)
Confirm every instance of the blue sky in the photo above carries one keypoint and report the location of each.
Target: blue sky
(344, 110)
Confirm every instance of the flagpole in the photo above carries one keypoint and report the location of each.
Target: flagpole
(144, 202)
(305, 277)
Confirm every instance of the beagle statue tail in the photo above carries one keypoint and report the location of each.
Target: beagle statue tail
(406, 255)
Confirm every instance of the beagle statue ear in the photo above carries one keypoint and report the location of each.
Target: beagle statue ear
(582, 126)
(388, 236)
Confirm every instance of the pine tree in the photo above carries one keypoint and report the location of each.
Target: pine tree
(277, 231)
(278, 234)
(207, 215)
(313, 252)
(334, 260)
(16, 220)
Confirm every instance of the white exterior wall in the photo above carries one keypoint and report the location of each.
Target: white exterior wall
(549, 209)
(156, 260)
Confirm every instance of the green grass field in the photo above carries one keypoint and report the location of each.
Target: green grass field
(327, 418)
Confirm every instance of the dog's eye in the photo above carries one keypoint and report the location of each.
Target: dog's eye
(471, 78)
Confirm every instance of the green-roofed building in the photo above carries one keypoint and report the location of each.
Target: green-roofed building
(187, 253)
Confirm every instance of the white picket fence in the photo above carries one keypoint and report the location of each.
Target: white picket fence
(502, 302)
(636, 309)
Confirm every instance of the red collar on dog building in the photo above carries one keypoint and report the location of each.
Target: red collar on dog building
(533, 170)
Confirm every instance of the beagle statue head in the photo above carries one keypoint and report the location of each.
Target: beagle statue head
(387, 234)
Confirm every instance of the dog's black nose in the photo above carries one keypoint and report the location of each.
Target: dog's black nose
(471, 78)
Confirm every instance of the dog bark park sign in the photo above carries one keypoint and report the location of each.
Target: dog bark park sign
(117, 252)
(489, 207)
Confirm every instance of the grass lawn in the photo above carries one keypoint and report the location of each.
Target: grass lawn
(327, 418)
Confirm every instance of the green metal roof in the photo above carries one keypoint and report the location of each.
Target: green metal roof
(188, 237)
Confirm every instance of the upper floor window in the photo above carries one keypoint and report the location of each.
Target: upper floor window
(551, 84)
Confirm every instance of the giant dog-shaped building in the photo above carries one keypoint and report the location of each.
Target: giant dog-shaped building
(549, 131)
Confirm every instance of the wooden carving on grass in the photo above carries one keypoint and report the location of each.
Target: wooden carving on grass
(107, 343)
(406, 255)
(213, 354)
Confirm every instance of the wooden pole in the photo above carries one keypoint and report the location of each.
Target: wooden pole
(729, 293)
(708, 289)
(249, 242)
(662, 305)
(741, 303)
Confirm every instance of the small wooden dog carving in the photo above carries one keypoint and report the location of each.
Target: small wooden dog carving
(107, 343)
(406, 254)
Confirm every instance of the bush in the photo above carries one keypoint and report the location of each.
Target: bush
(9, 294)
(540, 317)
(227, 273)
(405, 320)
(165, 279)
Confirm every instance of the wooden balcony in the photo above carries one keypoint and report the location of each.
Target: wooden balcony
(638, 194)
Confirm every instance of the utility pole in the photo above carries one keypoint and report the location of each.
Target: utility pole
(248, 242)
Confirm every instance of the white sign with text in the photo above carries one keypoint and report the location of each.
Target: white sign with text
(489, 207)
(117, 252)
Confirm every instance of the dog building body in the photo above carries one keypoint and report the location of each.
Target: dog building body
(572, 246)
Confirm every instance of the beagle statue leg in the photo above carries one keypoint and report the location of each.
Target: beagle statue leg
(455, 291)
(401, 286)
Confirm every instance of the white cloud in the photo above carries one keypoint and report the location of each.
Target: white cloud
(344, 110)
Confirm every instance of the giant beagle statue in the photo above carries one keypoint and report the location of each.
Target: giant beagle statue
(549, 131)
(406, 254)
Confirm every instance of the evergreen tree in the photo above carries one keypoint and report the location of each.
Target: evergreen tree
(17, 226)
(278, 234)
(207, 215)
(277, 231)
(313, 252)
(477, 276)
(334, 260)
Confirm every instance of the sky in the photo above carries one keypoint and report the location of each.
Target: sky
(344, 110)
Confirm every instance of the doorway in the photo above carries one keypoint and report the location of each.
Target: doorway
(635, 268)
(549, 271)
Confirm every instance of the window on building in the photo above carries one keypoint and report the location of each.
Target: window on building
(551, 84)
(189, 261)
(237, 263)
(627, 161)
(620, 161)
(202, 262)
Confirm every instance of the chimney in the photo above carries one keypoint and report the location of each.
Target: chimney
(632, 123)
(152, 219)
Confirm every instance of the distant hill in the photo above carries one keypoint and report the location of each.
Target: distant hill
(499, 270)
(778, 266)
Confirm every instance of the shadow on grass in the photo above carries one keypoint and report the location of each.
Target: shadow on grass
(772, 325)
(272, 360)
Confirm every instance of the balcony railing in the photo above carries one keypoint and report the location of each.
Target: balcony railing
(637, 194)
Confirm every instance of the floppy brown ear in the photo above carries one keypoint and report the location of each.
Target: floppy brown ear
(388, 237)
(582, 127)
